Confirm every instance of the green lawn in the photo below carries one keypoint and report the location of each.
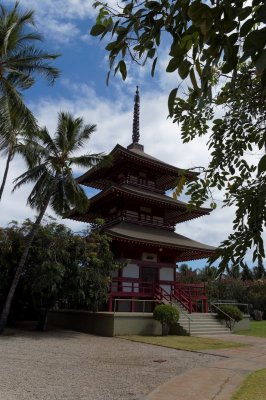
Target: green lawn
(257, 328)
(189, 343)
(253, 387)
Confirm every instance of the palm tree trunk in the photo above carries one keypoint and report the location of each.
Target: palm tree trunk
(30, 237)
(9, 158)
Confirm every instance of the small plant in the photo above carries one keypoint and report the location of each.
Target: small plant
(229, 312)
(167, 315)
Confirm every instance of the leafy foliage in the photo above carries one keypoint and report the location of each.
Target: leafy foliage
(50, 161)
(218, 51)
(226, 310)
(21, 60)
(62, 268)
(54, 160)
(166, 314)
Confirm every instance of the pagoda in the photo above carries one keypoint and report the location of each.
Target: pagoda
(140, 218)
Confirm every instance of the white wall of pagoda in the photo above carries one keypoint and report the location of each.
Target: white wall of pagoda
(166, 274)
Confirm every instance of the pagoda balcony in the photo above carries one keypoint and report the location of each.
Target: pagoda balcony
(192, 297)
(135, 218)
(141, 183)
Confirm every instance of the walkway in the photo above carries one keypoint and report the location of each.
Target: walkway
(220, 379)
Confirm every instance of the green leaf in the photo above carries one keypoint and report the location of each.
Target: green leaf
(260, 63)
(244, 13)
(193, 79)
(173, 65)
(261, 14)
(184, 68)
(255, 41)
(123, 69)
(262, 165)
(246, 27)
(171, 101)
(97, 30)
(111, 46)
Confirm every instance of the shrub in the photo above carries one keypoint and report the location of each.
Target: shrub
(167, 315)
(226, 311)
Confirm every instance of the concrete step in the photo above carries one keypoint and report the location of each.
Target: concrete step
(202, 333)
(204, 324)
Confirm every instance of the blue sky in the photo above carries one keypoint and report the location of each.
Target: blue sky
(81, 89)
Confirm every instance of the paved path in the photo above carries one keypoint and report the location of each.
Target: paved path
(219, 379)
(65, 365)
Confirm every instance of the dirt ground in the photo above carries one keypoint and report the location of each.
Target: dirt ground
(68, 365)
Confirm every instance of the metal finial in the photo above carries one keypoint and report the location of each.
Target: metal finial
(135, 136)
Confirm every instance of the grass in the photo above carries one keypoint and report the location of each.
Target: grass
(257, 328)
(189, 343)
(253, 387)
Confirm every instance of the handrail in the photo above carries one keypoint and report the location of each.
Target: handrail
(161, 292)
(230, 318)
(187, 316)
(181, 296)
(231, 303)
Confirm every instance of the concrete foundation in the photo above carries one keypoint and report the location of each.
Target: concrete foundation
(105, 324)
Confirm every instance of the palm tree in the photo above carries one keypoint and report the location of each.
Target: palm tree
(14, 131)
(20, 61)
(54, 182)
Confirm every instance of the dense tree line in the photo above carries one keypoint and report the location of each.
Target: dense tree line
(62, 269)
(242, 285)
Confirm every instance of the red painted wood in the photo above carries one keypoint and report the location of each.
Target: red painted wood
(134, 288)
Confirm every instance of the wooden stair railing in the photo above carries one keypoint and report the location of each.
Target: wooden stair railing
(161, 295)
(182, 297)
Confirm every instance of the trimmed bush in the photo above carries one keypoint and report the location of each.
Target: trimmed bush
(231, 311)
(167, 315)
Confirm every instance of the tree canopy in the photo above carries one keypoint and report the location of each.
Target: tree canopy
(50, 168)
(217, 50)
(62, 267)
(21, 60)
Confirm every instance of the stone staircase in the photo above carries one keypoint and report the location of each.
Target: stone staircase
(200, 323)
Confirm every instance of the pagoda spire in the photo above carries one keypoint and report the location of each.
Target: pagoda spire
(135, 135)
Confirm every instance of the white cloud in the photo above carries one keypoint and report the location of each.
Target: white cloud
(59, 19)
(159, 136)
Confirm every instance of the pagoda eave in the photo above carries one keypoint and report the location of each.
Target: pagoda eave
(188, 249)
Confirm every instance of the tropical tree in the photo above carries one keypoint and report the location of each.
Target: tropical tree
(54, 183)
(217, 50)
(64, 268)
(14, 132)
(20, 61)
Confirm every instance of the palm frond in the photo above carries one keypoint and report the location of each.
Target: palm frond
(40, 190)
(29, 176)
(47, 141)
(30, 60)
(87, 160)
(84, 135)
(68, 194)
(16, 105)
(20, 80)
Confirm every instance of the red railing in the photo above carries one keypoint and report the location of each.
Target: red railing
(188, 295)
(131, 287)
